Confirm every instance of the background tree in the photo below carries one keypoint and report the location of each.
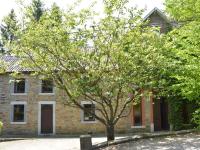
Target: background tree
(35, 11)
(9, 29)
(184, 46)
(108, 63)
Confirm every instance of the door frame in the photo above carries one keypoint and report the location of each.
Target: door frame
(39, 116)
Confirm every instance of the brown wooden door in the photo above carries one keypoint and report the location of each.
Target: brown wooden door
(46, 118)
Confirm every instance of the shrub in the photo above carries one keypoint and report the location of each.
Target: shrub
(196, 118)
(1, 126)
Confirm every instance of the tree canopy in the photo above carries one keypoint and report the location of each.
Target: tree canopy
(184, 44)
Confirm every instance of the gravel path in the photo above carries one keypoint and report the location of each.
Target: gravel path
(180, 142)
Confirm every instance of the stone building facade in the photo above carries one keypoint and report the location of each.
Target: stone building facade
(35, 112)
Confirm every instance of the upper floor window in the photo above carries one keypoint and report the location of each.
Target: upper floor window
(88, 114)
(47, 86)
(19, 86)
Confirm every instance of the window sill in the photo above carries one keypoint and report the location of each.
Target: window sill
(14, 94)
(17, 122)
(88, 122)
(138, 127)
(46, 93)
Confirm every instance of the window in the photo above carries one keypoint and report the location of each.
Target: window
(137, 111)
(18, 112)
(88, 112)
(19, 86)
(47, 86)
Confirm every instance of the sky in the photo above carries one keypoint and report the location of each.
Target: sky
(7, 5)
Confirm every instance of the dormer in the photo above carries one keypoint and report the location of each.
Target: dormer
(157, 18)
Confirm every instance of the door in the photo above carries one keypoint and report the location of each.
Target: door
(46, 118)
(161, 114)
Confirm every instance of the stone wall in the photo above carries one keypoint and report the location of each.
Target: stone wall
(68, 119)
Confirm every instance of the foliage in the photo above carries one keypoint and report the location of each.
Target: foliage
(175, 113)
(196, 117)
(183, 10)
(35, 10)
(9, 29)
(177, 116)
(104, 63)
(1, 126)
(184, 44)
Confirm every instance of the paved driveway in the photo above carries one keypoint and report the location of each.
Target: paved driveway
(180, 142)
(46, 144)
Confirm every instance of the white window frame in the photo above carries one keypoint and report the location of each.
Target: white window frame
(40, 89)
(12, 111)
(12, 81)
(82, 112)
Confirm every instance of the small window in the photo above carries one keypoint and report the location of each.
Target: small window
(88, 113)
(18, 113)
(47, 86)
(19, 86)
(137, 111)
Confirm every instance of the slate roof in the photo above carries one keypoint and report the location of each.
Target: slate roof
(12, 64)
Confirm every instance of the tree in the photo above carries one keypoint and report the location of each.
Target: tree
(108, 63)
(35, 11)
(56, 13)
(9, 29)
(183, 43)
(1, 47)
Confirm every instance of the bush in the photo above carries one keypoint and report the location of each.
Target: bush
(1, 126)
(196, 118)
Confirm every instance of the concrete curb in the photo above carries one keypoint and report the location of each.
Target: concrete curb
(10, 139)
(142, 136)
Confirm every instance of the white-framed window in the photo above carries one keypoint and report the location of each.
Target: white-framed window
(87, 115)
(18, 112)
(47, 87)
(19, 86)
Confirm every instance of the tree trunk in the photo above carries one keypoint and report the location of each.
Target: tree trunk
(110, 132)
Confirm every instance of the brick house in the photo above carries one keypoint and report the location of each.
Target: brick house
(33, 106)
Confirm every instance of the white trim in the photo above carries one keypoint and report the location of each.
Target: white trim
(15, 94)
(39, 116)
(82, 113)
(138, 127)
(46, 93)
(18, 102)
(12, 103)
(17, 122)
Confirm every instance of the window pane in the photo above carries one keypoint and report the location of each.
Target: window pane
(137, 115)
(19, 86)
(47, 86)
(18, 113)
(89, 110)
